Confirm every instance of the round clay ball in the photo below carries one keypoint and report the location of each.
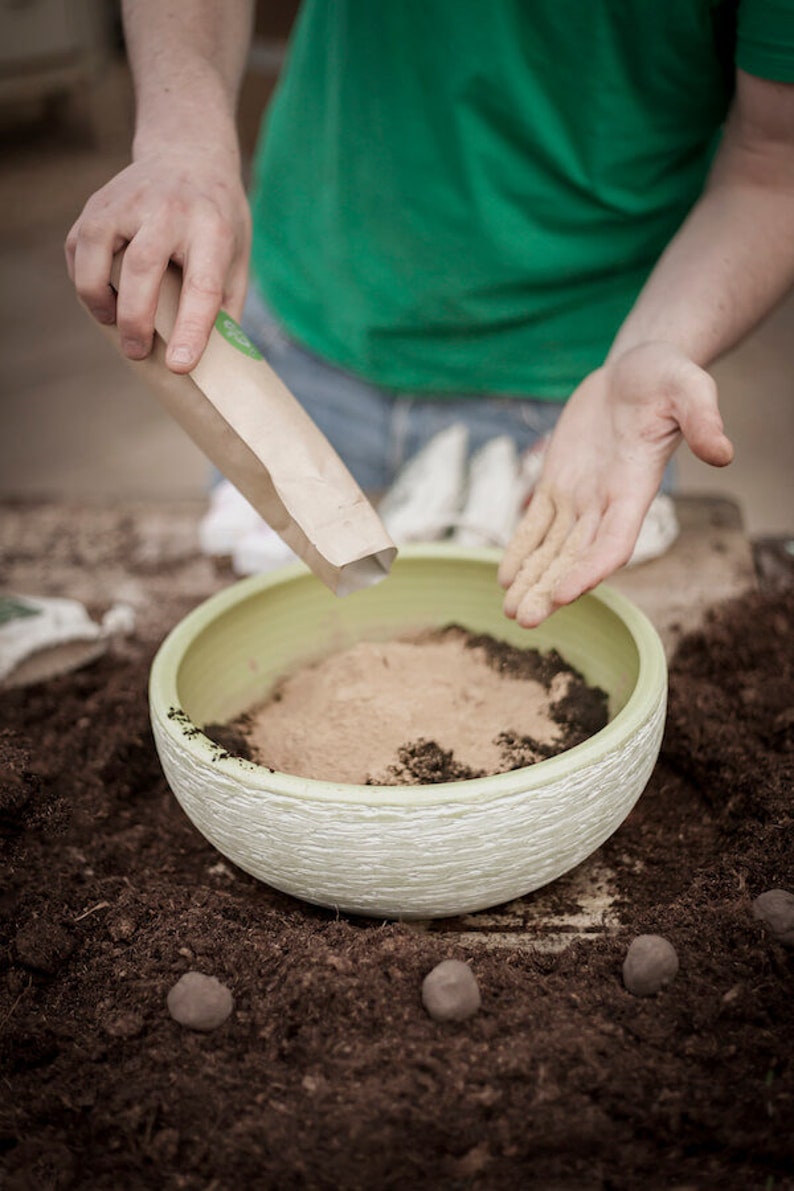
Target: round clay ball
(199, 1002)
(775, 908)
(651, 963)
(450, 991)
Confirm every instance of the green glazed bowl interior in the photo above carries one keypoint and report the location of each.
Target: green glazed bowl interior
(229, 652)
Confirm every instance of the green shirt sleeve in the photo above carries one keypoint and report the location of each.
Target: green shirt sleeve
(765, 39)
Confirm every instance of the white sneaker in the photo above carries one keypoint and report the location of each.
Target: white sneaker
(658, 531)
(228, 519)
(493, 496)
(425, 499)
(260, 550)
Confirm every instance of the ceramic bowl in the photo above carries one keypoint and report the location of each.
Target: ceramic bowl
(402, 851)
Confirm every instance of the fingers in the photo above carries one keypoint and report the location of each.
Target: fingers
(142, 269)
(610, 548)
(530, 533)
(109, 221)
(538, 560)
(89, 258)
(236, 286)
(89, 248)
(576, 555)
(237, 272)
(700, 420)
(207, 262)
(532, 596)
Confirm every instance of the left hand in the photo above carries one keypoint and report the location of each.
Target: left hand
(602, 469)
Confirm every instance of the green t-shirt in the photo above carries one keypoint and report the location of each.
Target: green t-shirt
(465, 196)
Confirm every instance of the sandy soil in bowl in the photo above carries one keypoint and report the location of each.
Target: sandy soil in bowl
(441, 705)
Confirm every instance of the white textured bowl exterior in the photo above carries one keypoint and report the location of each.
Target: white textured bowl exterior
(409, 851)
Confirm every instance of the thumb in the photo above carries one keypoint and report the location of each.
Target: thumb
(698, 415)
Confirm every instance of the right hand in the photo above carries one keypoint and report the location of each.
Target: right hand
(184, 206)
(601, 471)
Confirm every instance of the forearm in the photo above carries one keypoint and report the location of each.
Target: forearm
(733, 258)
(182, 198)
(187, 59)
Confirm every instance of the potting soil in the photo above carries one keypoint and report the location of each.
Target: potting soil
(434, 706)
(329, 1073)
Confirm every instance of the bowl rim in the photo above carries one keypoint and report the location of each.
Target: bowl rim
(641, 706)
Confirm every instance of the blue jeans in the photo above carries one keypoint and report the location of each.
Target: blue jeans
(374, 430)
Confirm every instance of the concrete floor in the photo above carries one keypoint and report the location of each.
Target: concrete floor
(76, 424)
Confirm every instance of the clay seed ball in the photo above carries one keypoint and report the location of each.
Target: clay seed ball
(651, 963)
(199, 1002)
(450, 991)
(775, 909)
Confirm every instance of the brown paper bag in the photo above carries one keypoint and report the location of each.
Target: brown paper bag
(249, 425)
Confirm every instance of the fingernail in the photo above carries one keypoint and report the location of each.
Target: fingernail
(180, 355)
(134, 348)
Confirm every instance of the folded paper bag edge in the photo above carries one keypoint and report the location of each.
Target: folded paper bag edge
(347, 552)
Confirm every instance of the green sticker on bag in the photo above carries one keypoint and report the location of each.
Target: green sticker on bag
(234, 334)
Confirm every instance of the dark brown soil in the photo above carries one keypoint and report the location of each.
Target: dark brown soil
(329, 1073)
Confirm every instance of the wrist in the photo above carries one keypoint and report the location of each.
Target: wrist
(656, 346)
(178, 140)
(187, 116)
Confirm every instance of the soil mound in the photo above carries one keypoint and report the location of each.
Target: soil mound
(329, 1073)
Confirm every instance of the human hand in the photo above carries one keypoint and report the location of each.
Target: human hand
(185, 206)
(602, 469)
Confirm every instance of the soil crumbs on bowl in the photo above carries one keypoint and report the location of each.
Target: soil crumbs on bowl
(329, 1073)
(436, 706)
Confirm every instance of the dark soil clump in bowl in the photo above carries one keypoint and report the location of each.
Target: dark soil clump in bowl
(441, 705)
(329, 1073)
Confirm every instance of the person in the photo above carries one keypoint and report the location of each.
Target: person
(555, 211)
